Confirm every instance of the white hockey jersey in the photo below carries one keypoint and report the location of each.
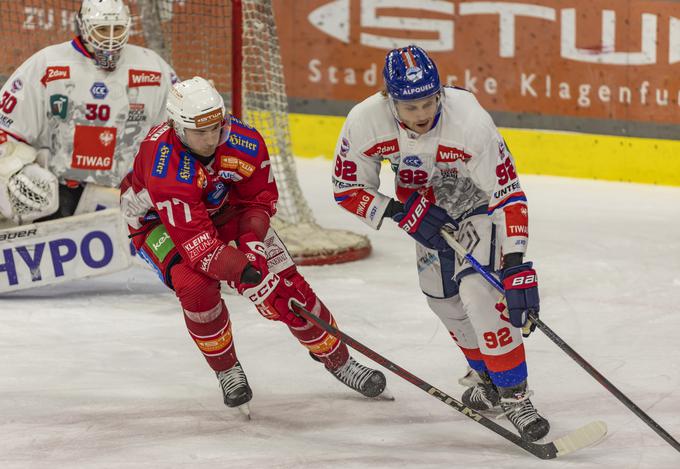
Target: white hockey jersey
(90, 120)
(462, 164)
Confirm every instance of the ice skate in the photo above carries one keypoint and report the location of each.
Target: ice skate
(517, 407)
(483, 395)
(365, 380)
(235, 389)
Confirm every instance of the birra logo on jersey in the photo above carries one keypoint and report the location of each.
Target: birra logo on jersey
(247, 145)
(59, 105)
(451, 154)
(99, 90)
(387, 148)
(138, 78)
(160, 163)
(55, 73)
(93, 147)
(186, 169)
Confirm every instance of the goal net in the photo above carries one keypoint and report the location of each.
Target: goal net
(232, 42)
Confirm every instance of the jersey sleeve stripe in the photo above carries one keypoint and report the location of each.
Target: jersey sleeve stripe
(517, 197)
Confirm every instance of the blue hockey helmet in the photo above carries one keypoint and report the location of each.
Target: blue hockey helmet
(410, 74)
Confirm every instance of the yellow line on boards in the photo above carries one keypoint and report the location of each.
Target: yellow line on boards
(612, 158)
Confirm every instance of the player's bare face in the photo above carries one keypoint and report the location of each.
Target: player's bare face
(418, 115)
(203, 142)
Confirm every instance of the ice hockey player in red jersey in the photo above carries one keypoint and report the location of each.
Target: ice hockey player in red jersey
(200, 182)
(73, 115)
(453, 168)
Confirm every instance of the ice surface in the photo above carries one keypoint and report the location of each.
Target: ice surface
(102, 373)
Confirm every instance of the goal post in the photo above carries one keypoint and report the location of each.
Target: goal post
(235, 44)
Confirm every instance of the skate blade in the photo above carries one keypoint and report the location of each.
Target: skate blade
(386, 395)
(244, 411)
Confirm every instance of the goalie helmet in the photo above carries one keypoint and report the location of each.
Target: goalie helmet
(104, 26)
(410, 74)
(196, 104)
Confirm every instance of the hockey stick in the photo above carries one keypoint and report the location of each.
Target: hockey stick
(580, 438)
(563, 345)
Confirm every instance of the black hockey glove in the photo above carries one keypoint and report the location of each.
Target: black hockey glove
(423, 220)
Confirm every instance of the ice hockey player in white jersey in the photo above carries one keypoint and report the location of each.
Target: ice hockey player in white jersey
(72, 117)
(452, 168)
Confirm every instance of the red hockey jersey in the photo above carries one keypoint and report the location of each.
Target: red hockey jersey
(170, 184)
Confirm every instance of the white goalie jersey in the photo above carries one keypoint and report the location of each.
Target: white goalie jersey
(462, 164)
(91, 121)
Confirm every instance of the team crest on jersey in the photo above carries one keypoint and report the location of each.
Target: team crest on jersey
(413, 161)
(137, 78)
(451, 154)
(381, 149)
(93, 147)
(136, 113)
(160, 162)
(98, 90)
(247, 145)
(344, 147)
(216, 196)
(59, 105)
(186, 170)
(17, 85)
(55, 73)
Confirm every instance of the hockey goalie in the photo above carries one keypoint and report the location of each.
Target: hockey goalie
(71, 119)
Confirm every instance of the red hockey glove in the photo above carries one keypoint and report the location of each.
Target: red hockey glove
(272, 295)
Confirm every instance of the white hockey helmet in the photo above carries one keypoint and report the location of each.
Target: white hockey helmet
(104, 26)
(196, 104)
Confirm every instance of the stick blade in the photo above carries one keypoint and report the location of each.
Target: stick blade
(587, 435)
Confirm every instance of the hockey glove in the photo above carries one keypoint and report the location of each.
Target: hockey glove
(271, 294)
(521, 295)
(423, 220)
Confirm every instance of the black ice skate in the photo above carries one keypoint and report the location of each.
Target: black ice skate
(483, 395)
(520, 411)
(365, 380)
(235, 388)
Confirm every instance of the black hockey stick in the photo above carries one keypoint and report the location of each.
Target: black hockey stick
(590, 369)
(584, 436)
